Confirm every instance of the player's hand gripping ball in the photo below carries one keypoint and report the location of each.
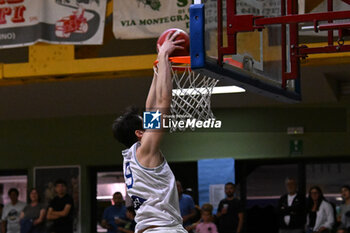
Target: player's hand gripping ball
(182, 35)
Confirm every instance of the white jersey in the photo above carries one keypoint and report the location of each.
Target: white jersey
(153, 191)
(11, 214)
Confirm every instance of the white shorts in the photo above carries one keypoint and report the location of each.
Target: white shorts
(172, 229)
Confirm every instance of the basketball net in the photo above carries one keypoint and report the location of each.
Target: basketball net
(191, 93)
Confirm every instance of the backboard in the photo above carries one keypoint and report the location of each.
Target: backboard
(255, 44)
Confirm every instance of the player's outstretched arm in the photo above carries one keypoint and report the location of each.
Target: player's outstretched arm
(151, 98)
(148, 154)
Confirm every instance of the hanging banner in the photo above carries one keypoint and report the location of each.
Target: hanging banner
(24, 22)
(136, 19)
(213, 174)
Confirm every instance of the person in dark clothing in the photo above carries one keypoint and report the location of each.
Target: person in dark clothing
(61, 210)
(291, 209)
(230, 212)
(114, 216)
(130, 224)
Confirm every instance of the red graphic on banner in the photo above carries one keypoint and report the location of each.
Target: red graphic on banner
(11, 1)
(346, 1)
(17, 12)
(73, 23)
(3, 13)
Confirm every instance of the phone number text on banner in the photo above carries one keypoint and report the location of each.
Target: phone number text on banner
(136, 19)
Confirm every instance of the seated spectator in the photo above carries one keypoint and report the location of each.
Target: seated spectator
(34, 214)
(344, 215)
(207, 225)
(291, 209)
(115, 214)
(130, 223)
(320, 213)
(11, 213)
(61, 209)
(230, 212)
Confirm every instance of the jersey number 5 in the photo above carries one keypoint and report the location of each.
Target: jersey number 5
(129, 180)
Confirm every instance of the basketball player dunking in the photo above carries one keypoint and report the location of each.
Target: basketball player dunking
(149, 179)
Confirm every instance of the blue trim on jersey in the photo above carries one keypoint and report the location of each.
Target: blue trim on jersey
(128, 176)
(146, 168)
(137, 201)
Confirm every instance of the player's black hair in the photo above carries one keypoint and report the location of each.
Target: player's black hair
(13, 190)
(60, 181)
(124, 127)
(131, 209)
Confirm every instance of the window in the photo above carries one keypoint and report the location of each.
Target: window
(107, 184)
(13, 181)
(329, 177)
(265, 184)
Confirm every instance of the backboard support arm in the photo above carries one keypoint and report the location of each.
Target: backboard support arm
(289, 16)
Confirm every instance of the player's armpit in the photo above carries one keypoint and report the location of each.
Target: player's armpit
(148, 154)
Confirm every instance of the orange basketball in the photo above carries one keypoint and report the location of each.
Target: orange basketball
(182, 35)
